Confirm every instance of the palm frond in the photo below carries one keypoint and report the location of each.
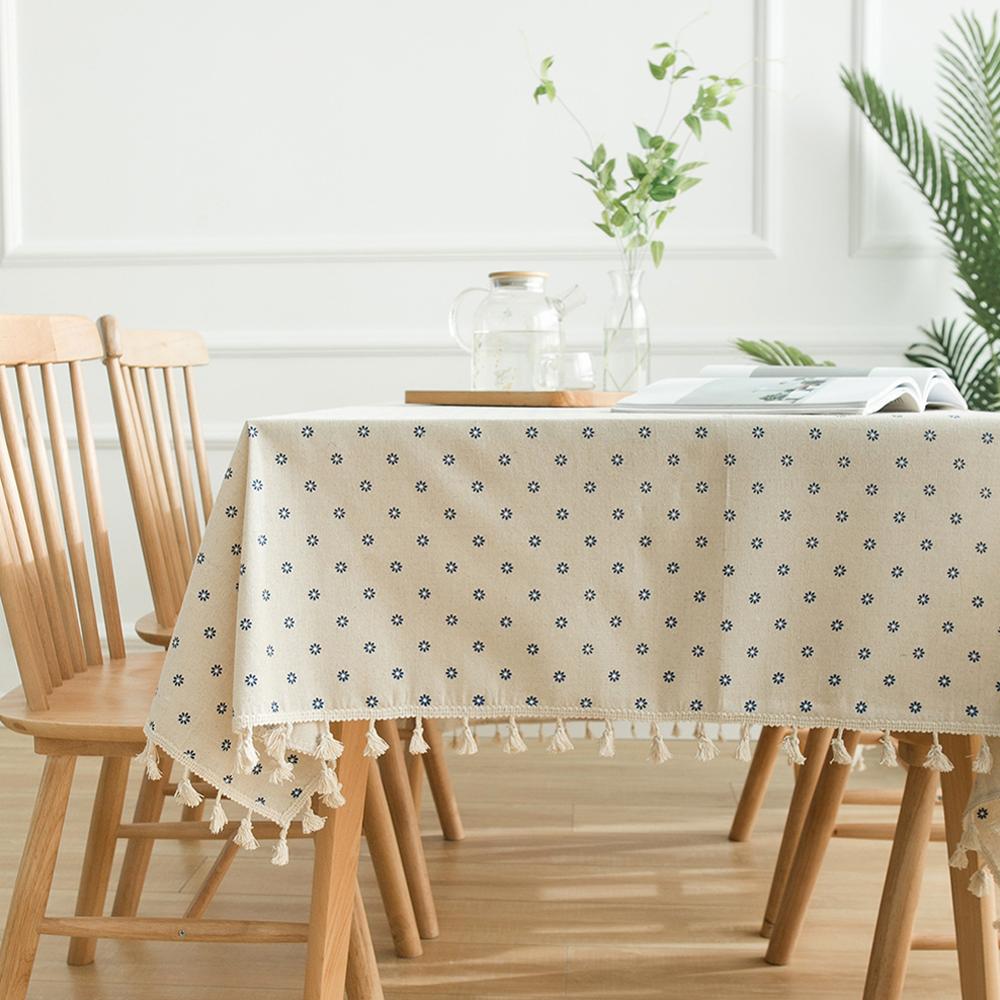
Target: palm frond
(774, 352)
(966, 355)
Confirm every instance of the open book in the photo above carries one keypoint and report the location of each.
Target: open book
(773, 389)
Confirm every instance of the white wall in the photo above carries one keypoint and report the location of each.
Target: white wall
(310, 183)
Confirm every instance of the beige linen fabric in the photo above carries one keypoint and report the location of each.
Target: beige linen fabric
(398, 561)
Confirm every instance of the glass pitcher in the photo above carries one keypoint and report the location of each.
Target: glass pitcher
(512, 329)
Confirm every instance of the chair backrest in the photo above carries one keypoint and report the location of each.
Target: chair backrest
(154, 443)
(45, 579)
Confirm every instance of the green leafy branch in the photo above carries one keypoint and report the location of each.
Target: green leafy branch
(634, 207)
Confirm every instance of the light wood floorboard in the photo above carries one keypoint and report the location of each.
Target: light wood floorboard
(579, 877)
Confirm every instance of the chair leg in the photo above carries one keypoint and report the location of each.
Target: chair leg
(757, 780)
(363, 982)
(211, 882)
(415, 772)
(389, 871)
(335, 872)
(816, 833)
(816, 751)
(34, 877)
(974, 933)
(439, 780)
(901, 891)
(148, 809)
(404, 819)
(100, 853)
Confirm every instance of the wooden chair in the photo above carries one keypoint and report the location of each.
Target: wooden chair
(74, 702)
(975, 937)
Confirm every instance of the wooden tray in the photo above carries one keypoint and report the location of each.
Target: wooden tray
(485, 397)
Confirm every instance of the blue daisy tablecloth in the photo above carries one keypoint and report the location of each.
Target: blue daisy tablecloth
(411, 562)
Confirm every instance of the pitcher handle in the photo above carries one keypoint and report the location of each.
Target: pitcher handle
(453, 316)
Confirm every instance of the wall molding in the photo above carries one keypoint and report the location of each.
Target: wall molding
(865, 239)
(20, 250)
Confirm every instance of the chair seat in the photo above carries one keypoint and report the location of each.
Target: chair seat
(150, 630)
(104, 703)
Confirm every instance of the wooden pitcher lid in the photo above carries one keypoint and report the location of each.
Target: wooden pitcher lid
(518, 274)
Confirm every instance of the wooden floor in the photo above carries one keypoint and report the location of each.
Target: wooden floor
(580, 877)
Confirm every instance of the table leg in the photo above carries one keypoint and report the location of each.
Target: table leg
(813, 841)
(816, 753)
(978, 965)
(755, 785)
(335, 872)
(439, 780)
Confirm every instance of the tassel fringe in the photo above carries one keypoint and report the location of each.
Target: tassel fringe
(375, 746)
(979, 884)
(888, 755)
(706, 750)
(983, 763)
(467, 745)
(588, 733)
(515, 741)
(936, 759)
(743, 751)
(329, 747)
(186, 791)
(790, 744)
(607, 740)
(218, 821)
(280, 856)
(247, 757)
(968, 842)
(560, 742)
(418, 744)
(151, 759)
(311, 823)
(838, 749)
(676, 730)
(330, 790)
(658, 752)
(244, 835)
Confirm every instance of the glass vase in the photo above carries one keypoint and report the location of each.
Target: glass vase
(626, 335)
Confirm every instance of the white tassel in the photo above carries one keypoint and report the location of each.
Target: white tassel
(311, 823)
(979, 884)
(560, 742)
(936, 759)
(658, 752)
(276, 741)
(676, 731)
(858, 760)
(743, 751)
(467, 745)
(497, 738)
(247, 757)
(633, 731)
(186, 791)
(706, 750)
(968, 842)
(983, 763)
(608, 740)
(838, 749)
(888, 755)
(790, 744)
(280, 856)
(417, 742)
(721, 735)
(330, 790)
(329, 747)
(514, 742)
(282, 772)
(588, 733)
(244, 835)
(218, 822)
(151, 759)
(375, 746)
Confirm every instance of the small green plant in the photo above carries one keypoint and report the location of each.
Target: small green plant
(774, 352)
(635, 206)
